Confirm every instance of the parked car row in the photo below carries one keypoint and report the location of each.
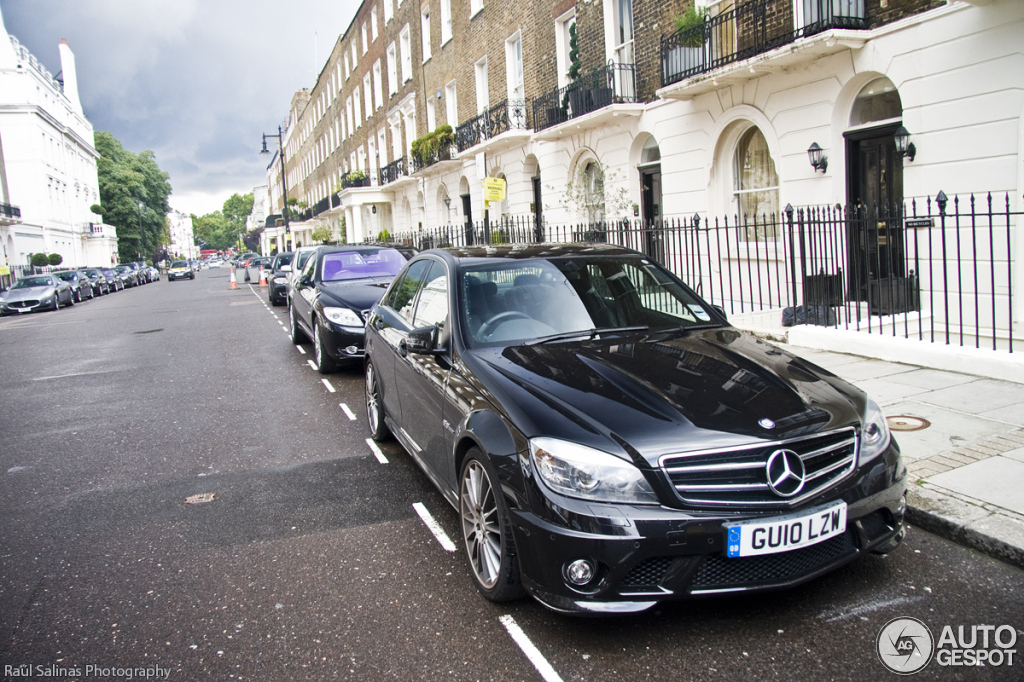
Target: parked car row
(50, 291)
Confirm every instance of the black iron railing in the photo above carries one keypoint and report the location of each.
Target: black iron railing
(321, 206)
(607, 85)
(501, 118)
(445, 153)
(357, 179)
(8, 211)
(750, 29)
(393, 171)
(938, 270)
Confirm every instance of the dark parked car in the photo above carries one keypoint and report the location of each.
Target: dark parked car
(36, 292)
(609, 441)
(332, 296)
(277, 278)
(115, 278)
(128, 275)
(81, 287)
(99, 282)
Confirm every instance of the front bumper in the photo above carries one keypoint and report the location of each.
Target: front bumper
(30, 306)
(344, 345)
(277, 292)
(646, 555)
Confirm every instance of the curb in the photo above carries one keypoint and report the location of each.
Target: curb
(965, 524)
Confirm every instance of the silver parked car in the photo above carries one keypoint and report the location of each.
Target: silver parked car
(37, 292)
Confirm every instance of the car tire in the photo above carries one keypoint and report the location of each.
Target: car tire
(294, 332)
(375, 407)
(325, 364)
(487, 532)
(56, 302)
(71, 299)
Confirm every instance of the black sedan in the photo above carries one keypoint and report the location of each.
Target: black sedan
(81, 287)
(128, 274)
(277, 278)
(609, 441)
(114, 278)
(99, 282)
(332, 296)
(36, 292)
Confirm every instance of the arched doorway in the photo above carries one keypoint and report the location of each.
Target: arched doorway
(877, 270)
(650, 199)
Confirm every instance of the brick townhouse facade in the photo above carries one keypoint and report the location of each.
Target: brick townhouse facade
(717, 120)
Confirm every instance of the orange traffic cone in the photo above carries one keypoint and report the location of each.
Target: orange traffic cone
(263, 278)
(233, 285)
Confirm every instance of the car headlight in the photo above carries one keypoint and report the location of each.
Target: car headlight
(343, 316)
(874, 434)
(578, 471)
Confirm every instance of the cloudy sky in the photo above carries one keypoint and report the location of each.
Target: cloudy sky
(195, 81)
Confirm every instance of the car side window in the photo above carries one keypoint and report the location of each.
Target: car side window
(402, 296)
(432, 307)
(308, 269)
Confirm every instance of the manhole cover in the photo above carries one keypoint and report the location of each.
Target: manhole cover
(905, 423)
(200, 498)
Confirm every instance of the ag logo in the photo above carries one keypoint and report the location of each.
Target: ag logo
(905, 645)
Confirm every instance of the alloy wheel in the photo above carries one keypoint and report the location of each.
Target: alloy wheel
(480, 524)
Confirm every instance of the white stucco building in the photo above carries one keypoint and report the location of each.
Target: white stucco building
(182, 245)
(47, 163)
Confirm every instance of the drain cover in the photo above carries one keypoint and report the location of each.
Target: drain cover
(905, 423)
(200, 498)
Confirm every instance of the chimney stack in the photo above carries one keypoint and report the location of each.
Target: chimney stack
(67, 68)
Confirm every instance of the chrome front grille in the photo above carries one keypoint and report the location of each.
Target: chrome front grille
(739, 477)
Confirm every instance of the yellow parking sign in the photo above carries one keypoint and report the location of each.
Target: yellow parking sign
(494, 189)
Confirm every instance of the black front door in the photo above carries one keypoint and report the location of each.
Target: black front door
(538, 212)
(650, 196)
(467, 210)
(877, 270)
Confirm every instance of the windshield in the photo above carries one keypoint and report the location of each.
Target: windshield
(179, 264)
(339, 266)
(66, 276)
(27, 282)
(521, 301)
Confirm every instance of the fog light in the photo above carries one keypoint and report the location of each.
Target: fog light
(579, 572)
(903, 506)
(351, 350)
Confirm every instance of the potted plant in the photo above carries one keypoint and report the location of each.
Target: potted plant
(575, 101)
(691, 33)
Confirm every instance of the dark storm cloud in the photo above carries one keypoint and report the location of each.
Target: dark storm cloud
(196, 81)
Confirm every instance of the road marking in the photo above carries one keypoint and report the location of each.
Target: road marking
(376, 451)
(311, 364)
(348, 413)
(434, 527)
(328, 385)
(535, 656)
(301, 349)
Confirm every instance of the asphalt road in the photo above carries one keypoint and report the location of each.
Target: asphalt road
(120, 416)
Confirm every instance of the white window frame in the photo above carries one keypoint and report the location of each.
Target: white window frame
(373, 23)
(378, 86)
(348, 69)
(425, 32)
(431, 113)
(621, 51)
(515, 79)
(366, 41)
(451, 104)
(475, 7)
(356, 106)
(405, 40)
(482, 88)
(349, 116)
(446, 21)
(368, 95)
(389, 10)
(382, 147)
(392, 58)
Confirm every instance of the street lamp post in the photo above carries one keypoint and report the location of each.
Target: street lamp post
(284, 183)
(142, 235)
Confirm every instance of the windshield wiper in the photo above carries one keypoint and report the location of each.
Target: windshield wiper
(586, 334)
(685, 328)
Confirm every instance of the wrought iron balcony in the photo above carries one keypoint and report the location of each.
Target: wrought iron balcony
(8, 211)
(355, 179)
(321, 206)
(603, 86)
(393, 171)
(445, 153)
(501, 118)
(750, 29)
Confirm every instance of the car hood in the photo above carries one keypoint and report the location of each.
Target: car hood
(651, 395)
(29, 293)
(360, 294)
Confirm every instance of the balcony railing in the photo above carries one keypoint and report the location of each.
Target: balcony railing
(355, 180)
(446, 153)
(393, 171)
(508, 115)
(321, 206)
(610, 84)
(750, 29)
(8, 211)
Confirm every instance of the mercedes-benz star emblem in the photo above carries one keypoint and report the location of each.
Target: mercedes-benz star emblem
(785, 472)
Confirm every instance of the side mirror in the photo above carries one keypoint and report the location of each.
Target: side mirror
(305, 281)
(285, 268)
(423, 341)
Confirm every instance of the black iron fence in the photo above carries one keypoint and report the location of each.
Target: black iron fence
(752, 28)
(937, 270)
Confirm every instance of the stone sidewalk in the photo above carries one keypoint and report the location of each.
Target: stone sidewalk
(962, 439)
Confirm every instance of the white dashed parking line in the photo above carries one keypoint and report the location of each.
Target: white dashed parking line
(328, 385)
(434, 527)
(301, 349)
(312, 365)
(535, 656)
(348, 413)
(376, 451)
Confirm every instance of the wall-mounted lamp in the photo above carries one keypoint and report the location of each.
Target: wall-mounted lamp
(904, 147)
(817, 156)
(447, 201)
(373, 209)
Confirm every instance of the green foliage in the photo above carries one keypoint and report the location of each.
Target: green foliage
(691, 25)
(434, 146)
(322, 234)
(597, 196)
(127, 180)
(54, 259)
(237, 208)
(499, 237)
(97, 209)
(384, 236)
(40, 260)
(574, 54)
(215, 229)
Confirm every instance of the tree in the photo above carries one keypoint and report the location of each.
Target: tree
(237, 209)
(215, 229)
(322, 234)
(39, 260)
(54, 259)
(133, 196)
